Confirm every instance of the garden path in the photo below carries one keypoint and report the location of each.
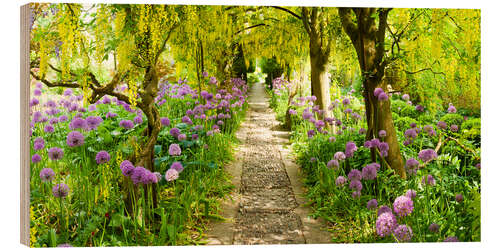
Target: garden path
(267, 206)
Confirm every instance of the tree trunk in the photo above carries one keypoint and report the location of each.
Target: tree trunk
(320, 83)
(368, 40)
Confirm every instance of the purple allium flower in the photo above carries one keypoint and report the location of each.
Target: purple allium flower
(454, 128)
(36, 158)
(377, 92)
(354, 174)
(427, 155)
(382, 133)
(459, 198)
(356, 194)
(177, 166)
(102, 157)
(372, 204)
(340, 181)
(53, 120)
(139, 174)
(37, 92)
(149, 178)
(442, 125)
(181, 137)
(126, 124)
(362, 131)
(34, 102)
(47, 174)
(63, 118)
(403, 206)
(339, 156)
(385, 224)
(411, 165)
(64, 245)
(411, 193)
(60, 190)
(384, 209)
(171, 175)
(429, 180)
(311, 133)
(38, 143)
(48, 128)
(403, 233)
(313, 159)
(292, 112)
(383, 97)
(375, 142)
(138, 120)
(55, 153)
(478, 166)
(434, 228)
(75, 139)
(411, 133)
(175, 132)
(346, 101)
(451, 239)
(406, 97)
(348, 111)
(110, 115)
(350, 147)
(384, 148)
(127, 168)
(174, 149)
(369, 172)
(419, 108)
(78, 122)
(306, 115)
(367, 144)
(452, 109)
(194, 136)
(332, 164)
(187, 120)
(331, 139)
(213, 80)
(356, 185)
(204, 74)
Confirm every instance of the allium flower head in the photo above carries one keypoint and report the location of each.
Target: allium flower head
(171, 175)
(383, 209)
(174, 149)
(47, 174)
(38, 143)
(382, 133)
(102, 157)
(60, 190)
(331, 139)
(187, 120)
(346, 101)
(126, 124)
(77, 123)
(354, 174)
(372, 204)
(36, 158)
(406, 97)
(419, 108)
(48, 128)
(454, 128)
(434, 228)
(442, 125)
(411, 165)
(427, 155)
(138, 119)
(403, 206)
(55, 153)
(452, 109)
(383, 97)
(377, 92)
(127, 168)
(459, 198)
(339, 156)
(181, 137)
(403, 233)
(177, 166)
(385, 224)
(332, 164)
(411, 133)
(175, 132)
(340, 181)
(138, 175)
(369, 172)
(350, 148)
(356, 185)
(356, 194)
(75, 139)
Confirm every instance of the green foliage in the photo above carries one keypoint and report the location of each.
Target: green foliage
(403, 123)
(453, 119)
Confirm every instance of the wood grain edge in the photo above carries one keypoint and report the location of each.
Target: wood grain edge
(25, 147)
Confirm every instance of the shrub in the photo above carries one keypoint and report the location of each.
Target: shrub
(451, 119)
(403, 123)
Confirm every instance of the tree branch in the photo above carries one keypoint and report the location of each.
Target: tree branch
(288, 11)
(424, 69)
(250, 27)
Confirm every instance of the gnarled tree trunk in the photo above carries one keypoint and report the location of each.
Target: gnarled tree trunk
(368, 40)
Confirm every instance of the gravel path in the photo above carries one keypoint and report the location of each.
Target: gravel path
(265, 209)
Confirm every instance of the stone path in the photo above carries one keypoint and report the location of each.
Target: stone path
(267, 207)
